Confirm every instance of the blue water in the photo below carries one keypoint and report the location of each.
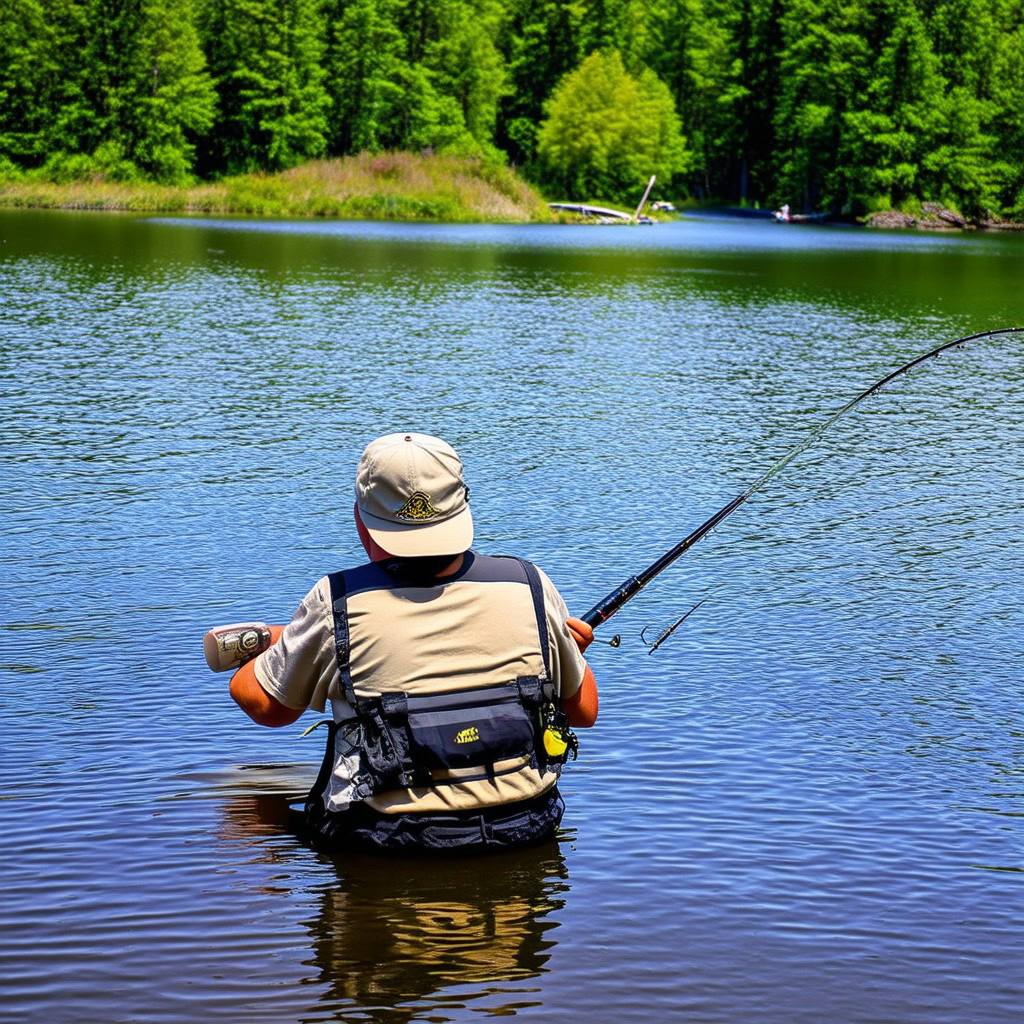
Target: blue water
(808, 803)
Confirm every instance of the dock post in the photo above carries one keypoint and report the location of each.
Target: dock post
(647, 192)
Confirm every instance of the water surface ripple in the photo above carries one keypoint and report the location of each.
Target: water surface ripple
(808, 803)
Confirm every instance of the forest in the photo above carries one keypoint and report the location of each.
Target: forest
(846, 106)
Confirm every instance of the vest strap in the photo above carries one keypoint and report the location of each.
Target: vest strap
(532, 691)
(537, 593)
(342, 645)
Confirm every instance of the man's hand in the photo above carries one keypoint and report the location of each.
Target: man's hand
(581, 633)
(259, 705)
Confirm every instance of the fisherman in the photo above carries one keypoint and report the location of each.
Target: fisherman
(453, 677)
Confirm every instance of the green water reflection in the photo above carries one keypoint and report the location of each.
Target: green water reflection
(910, 274)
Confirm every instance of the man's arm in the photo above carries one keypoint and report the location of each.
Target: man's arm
(581, 707)
(247, 693)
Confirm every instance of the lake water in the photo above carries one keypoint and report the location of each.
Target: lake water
(808, 804)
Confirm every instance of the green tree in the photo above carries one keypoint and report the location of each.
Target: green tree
(603, 24)
(45, 111)
(365, 64)
(113, 88)
(265, 57)
(541, 43)
(407, 74)
(965, 167)
(162, 99)
(77, 124)
(756, 33)
(896, 125)
(27, 71)
(607, 130)
(467, 65)
(113, 30)
(693, 51)
(824, 69)
(1008, 107)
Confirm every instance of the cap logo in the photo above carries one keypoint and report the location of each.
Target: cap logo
(418, 507)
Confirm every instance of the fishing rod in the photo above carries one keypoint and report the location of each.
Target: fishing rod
(608, 606)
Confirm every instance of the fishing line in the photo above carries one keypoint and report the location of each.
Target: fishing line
(609, 605)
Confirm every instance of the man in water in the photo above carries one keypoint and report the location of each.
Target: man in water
(453, 677)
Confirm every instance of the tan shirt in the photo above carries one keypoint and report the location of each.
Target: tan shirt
(462, 633)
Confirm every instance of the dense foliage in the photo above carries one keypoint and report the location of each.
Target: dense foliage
(605, 130)
(845, 105)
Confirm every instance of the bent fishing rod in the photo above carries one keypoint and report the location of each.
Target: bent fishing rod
(606, 608)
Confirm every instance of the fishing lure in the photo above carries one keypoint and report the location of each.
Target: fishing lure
(665, 634)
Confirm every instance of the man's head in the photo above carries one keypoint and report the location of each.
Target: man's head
(411, 497)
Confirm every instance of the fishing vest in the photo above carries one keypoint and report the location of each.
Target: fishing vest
(451, 743)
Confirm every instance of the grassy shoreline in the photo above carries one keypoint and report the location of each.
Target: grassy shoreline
(383, 186)
(397, 186)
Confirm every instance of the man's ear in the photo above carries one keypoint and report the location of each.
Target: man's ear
(364, 537)
(373, 550)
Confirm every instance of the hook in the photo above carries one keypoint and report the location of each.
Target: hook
(668, 632)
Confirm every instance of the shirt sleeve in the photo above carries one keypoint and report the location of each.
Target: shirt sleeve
(300, 670)
(567, 664)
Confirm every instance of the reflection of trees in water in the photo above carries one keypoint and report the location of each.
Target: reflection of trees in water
(392, 937)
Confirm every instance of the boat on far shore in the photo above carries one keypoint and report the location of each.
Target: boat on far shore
(778, 216)
(785, 216)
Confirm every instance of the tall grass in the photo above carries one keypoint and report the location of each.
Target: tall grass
(382, 186)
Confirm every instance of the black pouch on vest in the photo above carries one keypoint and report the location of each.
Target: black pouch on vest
(453, 730)
(470, 727)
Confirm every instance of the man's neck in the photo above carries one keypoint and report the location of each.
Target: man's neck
(454, 567)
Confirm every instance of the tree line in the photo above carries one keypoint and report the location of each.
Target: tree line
(843, 105)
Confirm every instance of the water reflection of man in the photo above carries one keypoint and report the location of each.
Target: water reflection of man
(393, 940)
(390, 938)
(453, 677)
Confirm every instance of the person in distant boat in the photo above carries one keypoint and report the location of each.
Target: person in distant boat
(453, 677)
(783, 214)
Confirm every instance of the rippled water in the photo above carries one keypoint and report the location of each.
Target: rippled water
(808, 804)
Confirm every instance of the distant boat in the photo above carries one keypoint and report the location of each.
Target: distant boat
(784, 216)
(777, 216)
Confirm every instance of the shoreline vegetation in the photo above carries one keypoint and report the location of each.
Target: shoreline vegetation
(381, 186)
(858, 112)
(397, 186)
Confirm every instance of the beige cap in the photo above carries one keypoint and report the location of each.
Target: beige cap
(412, 498)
